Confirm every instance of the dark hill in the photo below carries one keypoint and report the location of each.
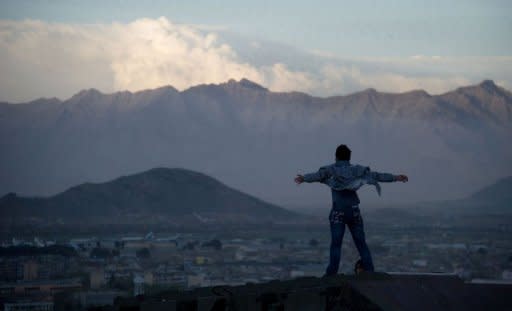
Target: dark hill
(494, 200)
(498, 193)
(155, 196)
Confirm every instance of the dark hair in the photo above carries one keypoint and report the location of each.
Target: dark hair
(343, 153)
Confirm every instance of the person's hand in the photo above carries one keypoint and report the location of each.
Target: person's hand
(402, 178)
(299, 179)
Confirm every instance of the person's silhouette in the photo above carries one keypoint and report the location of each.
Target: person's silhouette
(344, 179)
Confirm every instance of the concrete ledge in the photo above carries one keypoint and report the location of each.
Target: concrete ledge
(370, 291)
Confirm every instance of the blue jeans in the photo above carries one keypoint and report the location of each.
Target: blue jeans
(351, 217)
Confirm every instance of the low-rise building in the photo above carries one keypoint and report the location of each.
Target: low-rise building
(29, 306)
(38, 287)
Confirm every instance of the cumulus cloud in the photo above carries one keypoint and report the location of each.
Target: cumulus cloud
(150, 53)
(40, 59)
(349, 78)
(146, 53)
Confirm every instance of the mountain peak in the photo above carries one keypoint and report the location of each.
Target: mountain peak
(421, 93)
(486, 86)
(248, 84)
(89, 92)
(164, 88)
(165, 171)
(86, 94)
(488, 83)
(489, 86)
(369, 90)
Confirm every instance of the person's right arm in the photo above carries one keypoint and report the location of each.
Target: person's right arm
(321, 175)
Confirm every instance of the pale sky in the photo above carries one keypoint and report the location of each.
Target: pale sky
(57, 48)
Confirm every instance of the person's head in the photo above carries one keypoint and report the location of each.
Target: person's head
(343, 153)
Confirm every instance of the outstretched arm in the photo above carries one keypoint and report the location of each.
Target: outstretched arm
(319, 176)
(386, 177)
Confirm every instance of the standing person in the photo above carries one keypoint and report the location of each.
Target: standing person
(344, 179)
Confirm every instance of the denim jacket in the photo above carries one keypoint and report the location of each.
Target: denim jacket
(345, 179)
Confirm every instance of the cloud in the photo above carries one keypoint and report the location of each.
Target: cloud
(279, 77)
(352, 77)
(149, 53)
(146, 53)
(41, 59)
(424, 57)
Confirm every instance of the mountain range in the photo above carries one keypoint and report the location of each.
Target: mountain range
(256, 140)
(157, 196)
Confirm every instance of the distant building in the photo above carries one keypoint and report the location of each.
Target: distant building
(30, 270)
(165, 243)
(89, 299)
(506, 275)
(28, 306)
(201, 260)
(420, 262)
(138, 285)
(84, 244)
(97, 278)
(148, 278)
(168, 275)
(39, 287)
(135, 242)
(197, 280)
(459, 246)
(11, 269)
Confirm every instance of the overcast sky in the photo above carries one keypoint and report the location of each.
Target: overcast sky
(57, 48)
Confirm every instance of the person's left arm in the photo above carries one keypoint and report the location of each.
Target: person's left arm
(386, 177)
